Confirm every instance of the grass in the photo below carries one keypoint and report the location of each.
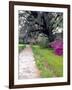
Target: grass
(21, 47)
(49, 64)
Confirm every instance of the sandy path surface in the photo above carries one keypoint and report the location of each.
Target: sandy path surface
(27, 66)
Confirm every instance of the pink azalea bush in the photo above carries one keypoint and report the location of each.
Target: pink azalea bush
(57, 45)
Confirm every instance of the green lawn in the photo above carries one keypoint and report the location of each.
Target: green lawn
(49, 64)
(21, 47)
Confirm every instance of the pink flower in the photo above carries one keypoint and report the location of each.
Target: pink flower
(57, 45)
(58, 51)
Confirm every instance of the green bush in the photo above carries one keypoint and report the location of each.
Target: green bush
(21, 41)
(43, 41)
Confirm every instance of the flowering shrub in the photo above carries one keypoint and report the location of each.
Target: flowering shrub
(57, 45)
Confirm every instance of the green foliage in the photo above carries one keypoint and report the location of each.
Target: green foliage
(21, 47)
(49, 64)
(21, 41)
(32, 23)
(43, 41)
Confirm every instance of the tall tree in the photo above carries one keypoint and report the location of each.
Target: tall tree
(32, 23)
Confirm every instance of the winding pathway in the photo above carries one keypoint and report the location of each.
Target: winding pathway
(27, 66)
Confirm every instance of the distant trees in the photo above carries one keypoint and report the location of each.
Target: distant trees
(33, 23)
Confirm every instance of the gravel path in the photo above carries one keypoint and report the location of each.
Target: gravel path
(27, 66)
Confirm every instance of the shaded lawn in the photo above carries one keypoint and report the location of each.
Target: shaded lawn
(49, 64)
(21, 47)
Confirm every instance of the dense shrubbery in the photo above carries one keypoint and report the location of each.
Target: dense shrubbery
(43, 41)
(21, 41)
(57, 45)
